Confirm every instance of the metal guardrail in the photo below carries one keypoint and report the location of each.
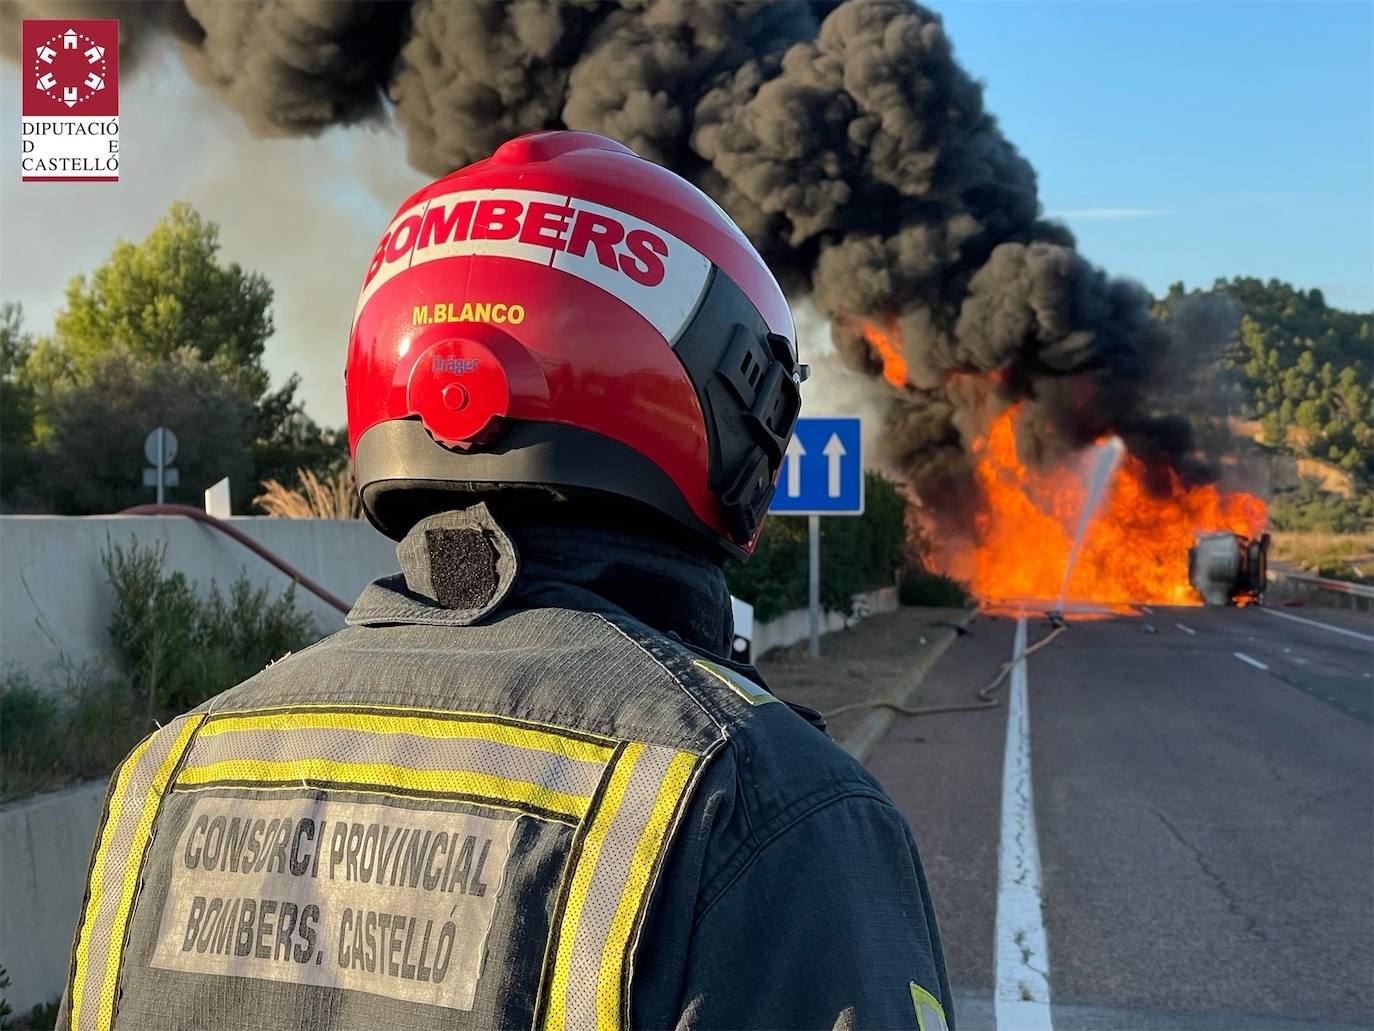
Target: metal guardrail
(1339, 586)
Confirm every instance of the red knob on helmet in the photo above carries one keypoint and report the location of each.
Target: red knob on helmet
(566, 314)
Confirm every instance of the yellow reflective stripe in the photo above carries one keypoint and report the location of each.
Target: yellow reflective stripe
(385, 775)
(641, 869)
(736, 682)
(133, 866)
(415, 725)
(925, 1002)
(556, 1013)
(95, 897)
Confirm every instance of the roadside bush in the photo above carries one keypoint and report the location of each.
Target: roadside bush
(858, 553)
(176, 649)
(1308, 508)
(49, 738)
(934, 590)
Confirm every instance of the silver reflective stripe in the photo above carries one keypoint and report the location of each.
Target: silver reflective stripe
(485, 760)
(737, 682)
(497, 759)
(608, 880)
(612, 873)
(135, 798)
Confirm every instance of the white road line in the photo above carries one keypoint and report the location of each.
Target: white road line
(1323, 626)
(1253, 662)
(1185, 629)
(1022, 954)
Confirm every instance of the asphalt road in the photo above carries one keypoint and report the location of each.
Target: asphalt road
(1203, 793)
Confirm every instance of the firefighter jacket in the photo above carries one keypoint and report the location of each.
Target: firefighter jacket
(519, 789)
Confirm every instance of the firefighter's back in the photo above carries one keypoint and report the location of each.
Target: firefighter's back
(408, 824)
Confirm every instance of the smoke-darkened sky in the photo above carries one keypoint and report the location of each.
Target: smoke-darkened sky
(1178, 141)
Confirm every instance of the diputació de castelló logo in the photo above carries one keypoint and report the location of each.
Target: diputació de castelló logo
(70, 72)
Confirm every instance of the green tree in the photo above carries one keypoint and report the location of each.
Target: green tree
(857, 554)
(16, 402)
(168, 292)
(159, 316)
(93, 428)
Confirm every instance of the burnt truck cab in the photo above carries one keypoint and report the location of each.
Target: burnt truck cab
(1229, 569)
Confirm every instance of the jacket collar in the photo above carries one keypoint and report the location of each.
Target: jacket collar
(460, 568)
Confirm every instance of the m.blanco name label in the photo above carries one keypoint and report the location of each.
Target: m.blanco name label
(374, 898)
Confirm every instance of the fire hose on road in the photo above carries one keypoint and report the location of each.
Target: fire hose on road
(985, 696)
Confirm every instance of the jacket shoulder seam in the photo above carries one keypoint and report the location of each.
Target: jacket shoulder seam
(715, 718)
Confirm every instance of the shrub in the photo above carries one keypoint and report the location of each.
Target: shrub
(179, 650)
(176, 649)
(1308, 508)
(49, 738)
(919, 587)
(858, 553)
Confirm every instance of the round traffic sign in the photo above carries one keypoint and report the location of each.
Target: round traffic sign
(169, 446)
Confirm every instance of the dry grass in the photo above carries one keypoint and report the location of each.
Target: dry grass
(1339, 555)
(330, 497)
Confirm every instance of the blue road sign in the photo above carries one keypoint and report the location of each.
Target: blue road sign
(823, 470)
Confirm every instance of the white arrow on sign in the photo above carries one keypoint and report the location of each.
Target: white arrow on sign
(834, 451)
(795, 453)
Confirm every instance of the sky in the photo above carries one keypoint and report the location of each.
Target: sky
(1187, 141)
(1180, 141)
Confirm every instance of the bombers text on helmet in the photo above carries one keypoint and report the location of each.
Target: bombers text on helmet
(566, 314)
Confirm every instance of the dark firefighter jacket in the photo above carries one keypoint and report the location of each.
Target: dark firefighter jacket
(516, 790)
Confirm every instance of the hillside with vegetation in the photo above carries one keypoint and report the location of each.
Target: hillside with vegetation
(1299, 375)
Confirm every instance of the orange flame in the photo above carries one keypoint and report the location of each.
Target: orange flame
(1135, 549)
(889, 350)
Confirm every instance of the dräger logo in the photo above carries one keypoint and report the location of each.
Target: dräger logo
(459, 366)
(655, 273)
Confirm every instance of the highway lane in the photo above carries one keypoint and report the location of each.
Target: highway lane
(1205, 823)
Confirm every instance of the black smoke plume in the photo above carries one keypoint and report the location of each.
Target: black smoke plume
(844, 138)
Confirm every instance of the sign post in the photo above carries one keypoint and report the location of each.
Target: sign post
(823, 474)
(160, 448)
(813, 534)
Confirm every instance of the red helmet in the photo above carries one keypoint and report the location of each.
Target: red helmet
(566, 314)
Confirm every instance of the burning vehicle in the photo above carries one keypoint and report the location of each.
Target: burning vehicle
(1228, 568)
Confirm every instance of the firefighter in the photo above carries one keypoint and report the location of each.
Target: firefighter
(525, 786)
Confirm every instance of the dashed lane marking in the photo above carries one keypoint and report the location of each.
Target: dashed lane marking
(1185, 629)
(1323, 626)
(1253, 662)
(1022, 954)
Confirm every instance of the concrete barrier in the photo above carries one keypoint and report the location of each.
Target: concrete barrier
(45, 847)
(794, 626)
(57, 601)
